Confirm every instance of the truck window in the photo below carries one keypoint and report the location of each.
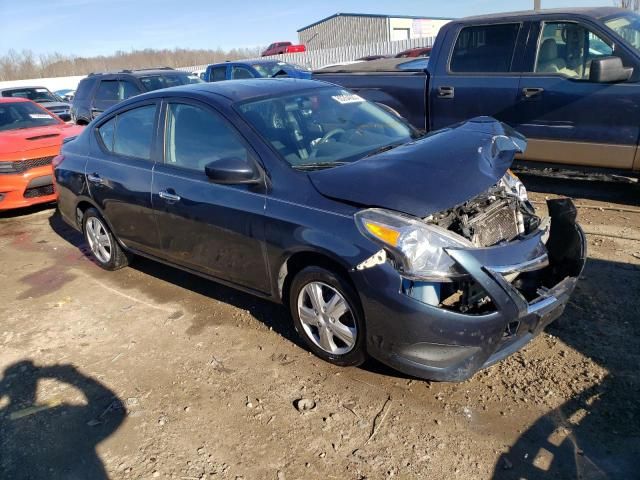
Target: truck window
(241, 72)
(485, 49)
(219, 73)
(567, 48)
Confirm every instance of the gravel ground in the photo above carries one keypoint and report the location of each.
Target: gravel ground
(150, 372)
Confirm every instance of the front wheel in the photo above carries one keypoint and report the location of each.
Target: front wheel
(104, 247)
(327, 315)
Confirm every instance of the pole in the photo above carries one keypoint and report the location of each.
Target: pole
(537, 4)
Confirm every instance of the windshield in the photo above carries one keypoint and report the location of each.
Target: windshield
(19, 115)
(628, 27)
(270, 69)
(166, 80)
(36, 94)
(325, 127)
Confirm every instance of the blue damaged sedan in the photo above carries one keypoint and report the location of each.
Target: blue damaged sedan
(421, 251)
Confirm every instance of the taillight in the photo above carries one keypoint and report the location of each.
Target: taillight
(57, 160)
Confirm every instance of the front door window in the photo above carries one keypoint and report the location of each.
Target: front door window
(567, 48)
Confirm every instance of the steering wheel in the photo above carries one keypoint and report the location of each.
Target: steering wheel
(330, 134)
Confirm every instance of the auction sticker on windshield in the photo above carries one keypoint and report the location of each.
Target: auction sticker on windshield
(39, 115)
(348, 98)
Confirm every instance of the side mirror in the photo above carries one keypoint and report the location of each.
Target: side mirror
(232, 171)
(609, 70)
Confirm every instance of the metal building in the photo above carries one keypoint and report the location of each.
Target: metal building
(359, 28)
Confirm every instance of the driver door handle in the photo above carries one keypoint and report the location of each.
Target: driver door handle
(529, 92)
(168, 196)
(446, 92)
(95, 178)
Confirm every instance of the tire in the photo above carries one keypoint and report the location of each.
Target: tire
(337, 333)
(105, 249)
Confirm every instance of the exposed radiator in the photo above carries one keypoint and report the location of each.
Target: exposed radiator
(496, 224)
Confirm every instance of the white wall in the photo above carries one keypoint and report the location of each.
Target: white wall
(53, 84)
(312, 58)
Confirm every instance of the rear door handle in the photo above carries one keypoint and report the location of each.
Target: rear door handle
(529, 92)
(168, 196)
(446, 92)
(95, 178)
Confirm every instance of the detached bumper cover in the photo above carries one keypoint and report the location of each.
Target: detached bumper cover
(430, 342)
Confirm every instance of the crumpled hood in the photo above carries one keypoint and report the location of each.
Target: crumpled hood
(430, 175)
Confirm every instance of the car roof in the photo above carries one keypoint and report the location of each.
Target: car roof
(240, 90)
(593, 12)
(142, 72)
(20, 87)
(15, 100)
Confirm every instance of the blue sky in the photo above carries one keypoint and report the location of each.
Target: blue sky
(91, 27)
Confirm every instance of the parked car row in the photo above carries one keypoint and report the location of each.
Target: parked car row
(253, 69)
(42, 96)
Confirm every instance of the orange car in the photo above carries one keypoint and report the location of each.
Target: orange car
(30, 137)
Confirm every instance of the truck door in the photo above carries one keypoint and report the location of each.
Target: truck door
(478, 75)
(567, 118)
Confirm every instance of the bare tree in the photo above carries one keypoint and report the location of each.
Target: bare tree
(25, 64)
(628, 4)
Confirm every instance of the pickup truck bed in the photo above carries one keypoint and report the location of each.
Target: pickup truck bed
(386, 81)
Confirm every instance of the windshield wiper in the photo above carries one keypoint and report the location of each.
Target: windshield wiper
(318, 165)
(384, 148)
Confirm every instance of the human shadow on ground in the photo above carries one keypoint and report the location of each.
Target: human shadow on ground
(53, 439)
(596, 433)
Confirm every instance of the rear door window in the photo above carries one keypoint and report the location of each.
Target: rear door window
(241, 72)
(128, 89)
(130, 133)
(485, 49)
(108, 90)
(218, 74)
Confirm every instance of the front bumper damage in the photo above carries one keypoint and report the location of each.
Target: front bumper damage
(432, 342)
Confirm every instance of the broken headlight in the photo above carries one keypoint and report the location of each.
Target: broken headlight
(514, 186)
(417, 248)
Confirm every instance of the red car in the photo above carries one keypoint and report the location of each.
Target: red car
(278, 48)
(30, 137)
(415, 52)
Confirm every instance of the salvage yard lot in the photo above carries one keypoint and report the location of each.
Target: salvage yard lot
(173, 376)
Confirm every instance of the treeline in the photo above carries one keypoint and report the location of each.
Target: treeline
(25, 64)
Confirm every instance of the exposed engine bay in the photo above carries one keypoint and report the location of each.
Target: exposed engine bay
(499, 215)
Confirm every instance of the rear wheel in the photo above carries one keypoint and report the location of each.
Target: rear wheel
(327, 315)
(105, 250)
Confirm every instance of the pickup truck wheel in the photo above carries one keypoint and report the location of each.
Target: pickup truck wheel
(327, 315)
(104, 247)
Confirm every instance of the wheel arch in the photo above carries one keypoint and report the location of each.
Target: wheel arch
(297, 261)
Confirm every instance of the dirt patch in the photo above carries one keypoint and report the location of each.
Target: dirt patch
(161, 374)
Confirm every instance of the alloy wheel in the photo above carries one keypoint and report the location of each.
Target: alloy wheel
(99, 240)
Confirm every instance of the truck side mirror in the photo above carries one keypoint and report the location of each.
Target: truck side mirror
(609, 70)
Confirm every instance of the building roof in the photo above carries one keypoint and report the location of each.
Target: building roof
(371, 15)
(594, 12)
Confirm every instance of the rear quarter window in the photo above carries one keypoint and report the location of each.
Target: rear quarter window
(84, 89)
